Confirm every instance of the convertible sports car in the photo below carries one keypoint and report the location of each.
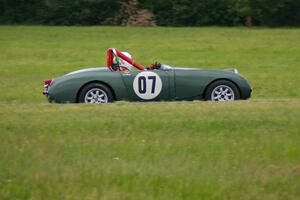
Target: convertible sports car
(158, 82)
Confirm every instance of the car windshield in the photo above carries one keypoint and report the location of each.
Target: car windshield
(165, 67)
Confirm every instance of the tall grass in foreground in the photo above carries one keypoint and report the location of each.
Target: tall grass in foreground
(245, 150)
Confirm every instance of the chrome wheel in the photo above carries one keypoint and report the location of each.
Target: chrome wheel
(222, 93)
(96, 95)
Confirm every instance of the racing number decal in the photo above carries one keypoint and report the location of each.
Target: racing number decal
(147, 85)
(142, 84)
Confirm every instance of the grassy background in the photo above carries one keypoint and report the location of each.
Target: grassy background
(179, 150)
(269, 58)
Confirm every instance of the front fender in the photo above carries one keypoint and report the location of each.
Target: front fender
(192, 83)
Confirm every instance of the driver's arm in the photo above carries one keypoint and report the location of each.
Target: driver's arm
(154, 66)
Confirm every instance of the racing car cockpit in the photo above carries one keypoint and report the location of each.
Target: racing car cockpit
(122, 61)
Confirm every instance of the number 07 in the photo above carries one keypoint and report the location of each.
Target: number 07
(142, 84)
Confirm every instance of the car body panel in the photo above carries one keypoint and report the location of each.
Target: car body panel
(67, 87)
(177, 83)
(191, 83)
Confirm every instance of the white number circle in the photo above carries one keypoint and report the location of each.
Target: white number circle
(147, 85)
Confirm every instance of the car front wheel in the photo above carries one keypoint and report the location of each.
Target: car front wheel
(222, 90)
(95, 93)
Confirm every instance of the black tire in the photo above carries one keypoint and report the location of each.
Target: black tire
(220, 83)
(95, 86)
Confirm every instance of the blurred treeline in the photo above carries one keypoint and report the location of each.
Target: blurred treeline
(152, 12)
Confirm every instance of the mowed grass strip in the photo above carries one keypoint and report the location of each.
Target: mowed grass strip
(198, 150)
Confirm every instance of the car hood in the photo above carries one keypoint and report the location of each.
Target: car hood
(233, 70)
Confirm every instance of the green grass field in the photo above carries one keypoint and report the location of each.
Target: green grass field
(177, 150)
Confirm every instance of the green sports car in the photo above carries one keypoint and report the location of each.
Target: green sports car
(158, 82)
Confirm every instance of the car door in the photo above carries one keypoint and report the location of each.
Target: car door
(147, 85)
(190, 83)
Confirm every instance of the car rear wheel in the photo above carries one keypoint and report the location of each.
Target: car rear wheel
(222, 90)
(95, 93)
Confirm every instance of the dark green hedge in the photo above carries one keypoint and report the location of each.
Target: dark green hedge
(57, 12)
(167, 12)
(224, 12)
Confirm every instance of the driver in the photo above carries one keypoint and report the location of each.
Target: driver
(121, 61)
(122, 64)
